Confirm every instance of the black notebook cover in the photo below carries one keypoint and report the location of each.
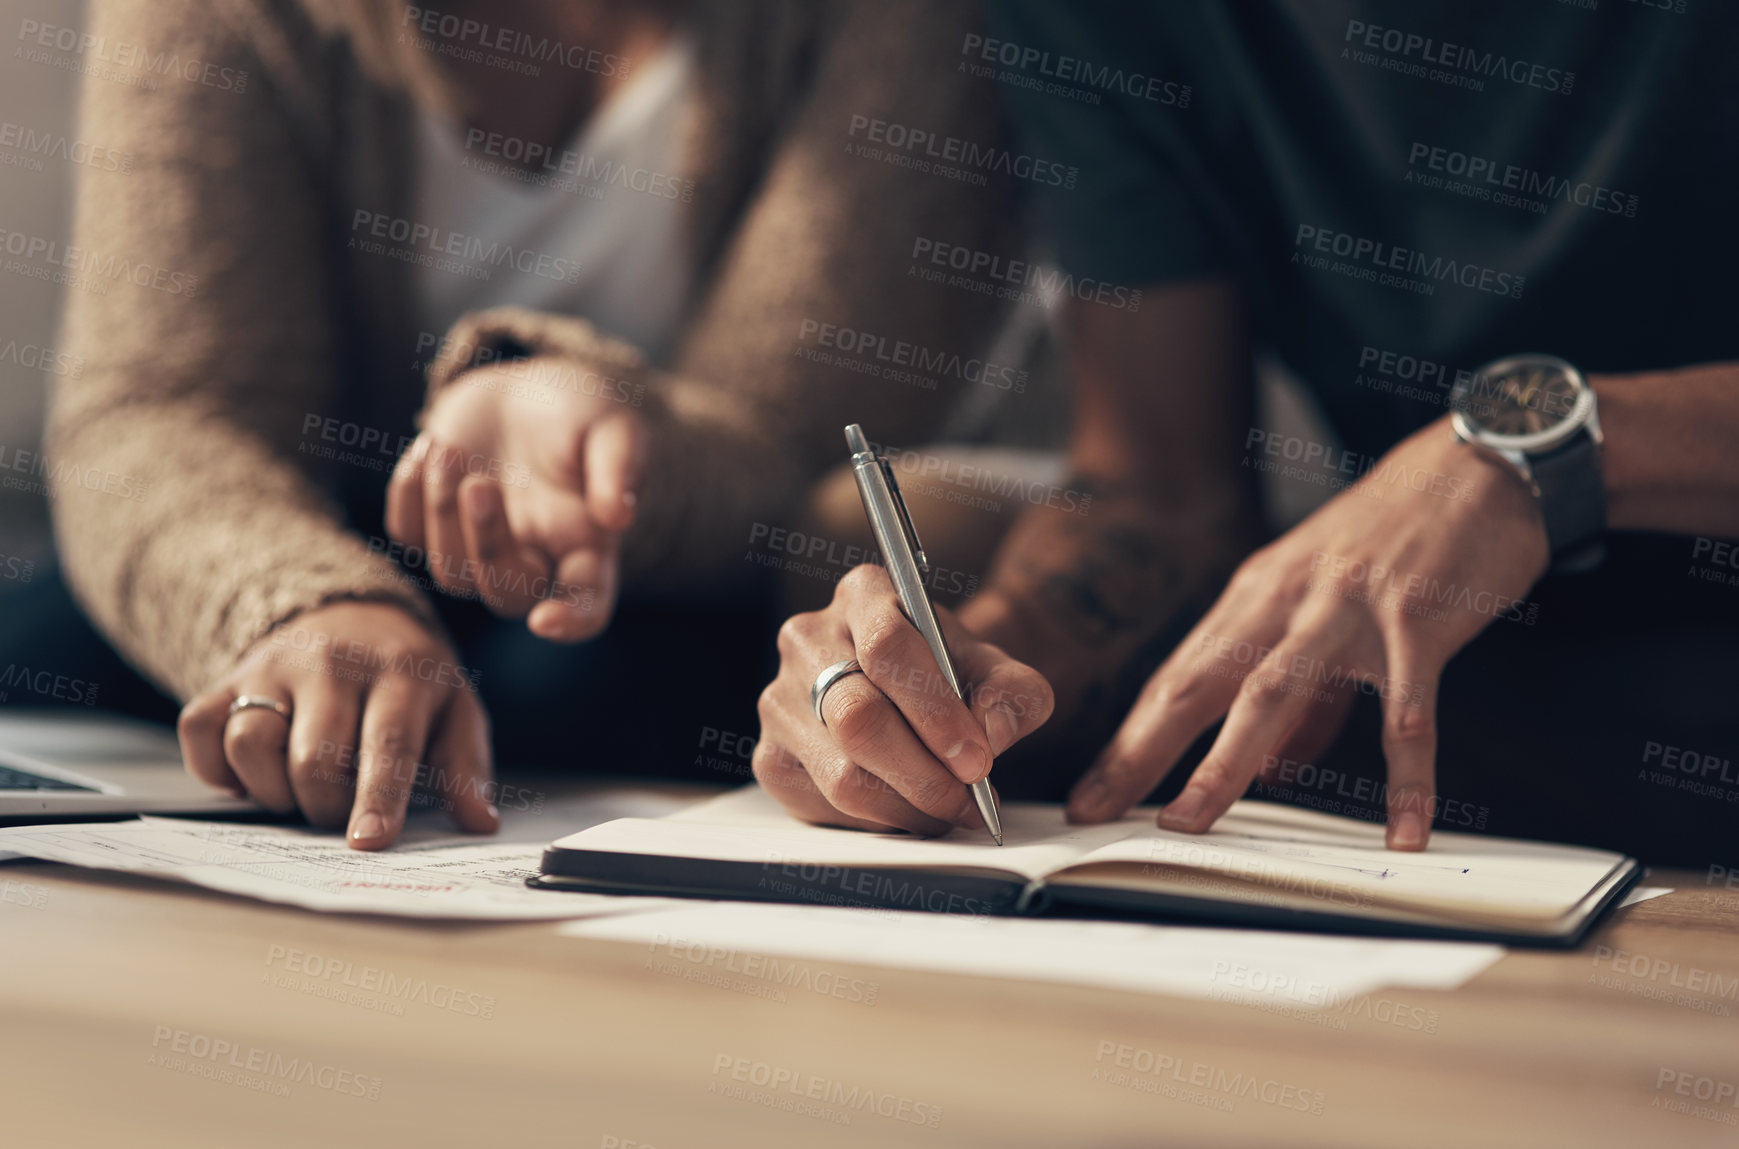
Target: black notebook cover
(985, 892)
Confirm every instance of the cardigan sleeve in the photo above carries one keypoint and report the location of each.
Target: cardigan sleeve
(196, 297)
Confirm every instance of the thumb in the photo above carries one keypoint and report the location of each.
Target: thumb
(1007, 698)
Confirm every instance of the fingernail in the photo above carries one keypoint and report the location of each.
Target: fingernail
(481, 506)
(968, 761)
(1181, 813)
(368, 827)
(1002, 727)
(1408, 832)
(629, 498)
(1087, 800)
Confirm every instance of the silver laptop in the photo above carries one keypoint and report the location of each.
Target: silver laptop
(62, 765)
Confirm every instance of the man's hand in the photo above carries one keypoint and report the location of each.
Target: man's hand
(519, 490)
(899, 749)
(1375, 592)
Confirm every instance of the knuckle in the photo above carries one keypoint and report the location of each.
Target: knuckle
(1408, 725)
(304, 757)
(247, 739)
(878, 649)
(764, 762)
(866, 578)
(390, 756)
(854, 794)
(793, 633)
(1025, 694)
(1405, 625)
(192, 721)
(441, 495)
(858, 718)
(1265, 690)
(1169, 691)
(1252, 574)
(1215, 775)
(770, 758)
(828, 776)
(394, 741)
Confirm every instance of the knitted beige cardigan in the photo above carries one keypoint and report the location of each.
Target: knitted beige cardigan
(246, 307)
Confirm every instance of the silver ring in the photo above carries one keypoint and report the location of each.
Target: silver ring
(824, 682)
(260, 702)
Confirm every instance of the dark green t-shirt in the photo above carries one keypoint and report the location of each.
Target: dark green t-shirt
(1404, 190)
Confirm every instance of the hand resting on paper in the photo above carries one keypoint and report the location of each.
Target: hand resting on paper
(377, 704)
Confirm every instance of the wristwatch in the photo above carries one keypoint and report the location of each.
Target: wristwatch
(1537, 412)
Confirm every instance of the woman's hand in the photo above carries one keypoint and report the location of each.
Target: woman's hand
(519, 490)
(898, 750)
(376, 705)
(1375, 592)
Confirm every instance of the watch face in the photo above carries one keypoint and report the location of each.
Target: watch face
(1520, 397)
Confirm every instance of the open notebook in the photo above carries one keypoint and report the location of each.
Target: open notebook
(1263, 865)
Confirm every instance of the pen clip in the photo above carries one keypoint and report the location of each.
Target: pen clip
(906, 525)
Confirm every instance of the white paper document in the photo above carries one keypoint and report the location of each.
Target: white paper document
(726, 940)
(430, 873)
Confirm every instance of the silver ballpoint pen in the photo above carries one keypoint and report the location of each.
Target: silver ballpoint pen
(907, 565)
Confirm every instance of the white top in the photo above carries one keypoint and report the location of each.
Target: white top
(596, 232)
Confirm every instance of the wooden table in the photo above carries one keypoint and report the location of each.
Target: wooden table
(118, 991)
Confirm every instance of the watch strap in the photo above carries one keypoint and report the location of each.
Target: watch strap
(1573, 501)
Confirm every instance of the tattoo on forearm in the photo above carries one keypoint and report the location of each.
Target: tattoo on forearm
(1102, 587)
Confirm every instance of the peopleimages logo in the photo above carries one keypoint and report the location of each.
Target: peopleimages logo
(201, 1055)
(377, 229)
(1446, 62)
(32, 142)
(1214, 1086)
(953, 154)
(1509, 185)
(1072, 70)
(1371, 259)
(53, 253)
(46, 684)
(1007, 278)
(96, 51)
(345, 974)
(843, 1099)
(508, 41)
(868, 349)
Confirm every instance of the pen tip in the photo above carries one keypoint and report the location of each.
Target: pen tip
(997, 834)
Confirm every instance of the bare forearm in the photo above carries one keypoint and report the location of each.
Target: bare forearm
(1162, 401)
(1079, 596)
(1671, 457)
